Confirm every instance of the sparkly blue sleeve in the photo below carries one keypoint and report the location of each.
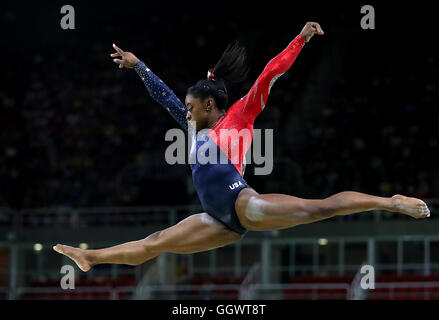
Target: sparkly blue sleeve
(162, 94)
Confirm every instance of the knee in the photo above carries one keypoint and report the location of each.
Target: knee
(253, 214)
(154, 242)
(235, 238)
(324, 209)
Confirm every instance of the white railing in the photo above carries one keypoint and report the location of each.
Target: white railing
(95, 217)
(139, 216)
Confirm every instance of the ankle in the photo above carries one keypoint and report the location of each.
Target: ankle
(90, 256)
(390, 203)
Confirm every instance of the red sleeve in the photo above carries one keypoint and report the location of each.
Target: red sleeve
(255, 100)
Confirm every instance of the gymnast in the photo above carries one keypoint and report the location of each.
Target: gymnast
(231, 206)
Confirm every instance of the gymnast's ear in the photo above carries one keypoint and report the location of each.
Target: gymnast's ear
(210, 104)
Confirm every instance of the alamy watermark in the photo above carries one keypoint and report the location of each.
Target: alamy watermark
(68, 20)
(368, 280)
(221, 147)
(68, 281)
(368, 20)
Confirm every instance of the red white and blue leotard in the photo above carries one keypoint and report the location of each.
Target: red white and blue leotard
(219, 183)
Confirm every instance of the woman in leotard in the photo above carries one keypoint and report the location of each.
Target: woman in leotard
(231, 206)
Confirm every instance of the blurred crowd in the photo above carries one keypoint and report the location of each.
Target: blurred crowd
(77, 131)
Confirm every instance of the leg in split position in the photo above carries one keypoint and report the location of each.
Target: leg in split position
(278, 211)
(196, 233)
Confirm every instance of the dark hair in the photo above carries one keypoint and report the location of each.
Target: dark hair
(230, 68)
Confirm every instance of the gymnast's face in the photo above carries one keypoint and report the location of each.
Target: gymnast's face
(198, 111)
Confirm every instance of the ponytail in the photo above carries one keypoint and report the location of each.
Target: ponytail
(230, 68)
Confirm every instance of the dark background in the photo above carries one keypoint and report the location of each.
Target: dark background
(357, 111)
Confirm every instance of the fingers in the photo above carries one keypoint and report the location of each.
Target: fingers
(119, 50)
(118, 61)
(316, 27)
(319, 29)
(119, 53)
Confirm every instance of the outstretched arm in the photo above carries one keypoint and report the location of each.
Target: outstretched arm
(155, 86)
(256, 98)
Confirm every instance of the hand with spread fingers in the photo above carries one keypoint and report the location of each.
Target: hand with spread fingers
(128, 60)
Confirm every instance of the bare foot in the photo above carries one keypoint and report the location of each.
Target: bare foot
(75, 254)
(413, 207)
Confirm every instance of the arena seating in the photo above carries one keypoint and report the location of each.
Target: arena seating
(100, 289)
(403, 290)
(317, 293)
(397, 287)
(222, 293)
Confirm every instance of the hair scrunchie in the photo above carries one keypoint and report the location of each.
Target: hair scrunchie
(210, 75)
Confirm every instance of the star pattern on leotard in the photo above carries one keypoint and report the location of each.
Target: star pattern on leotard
(162, 94)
